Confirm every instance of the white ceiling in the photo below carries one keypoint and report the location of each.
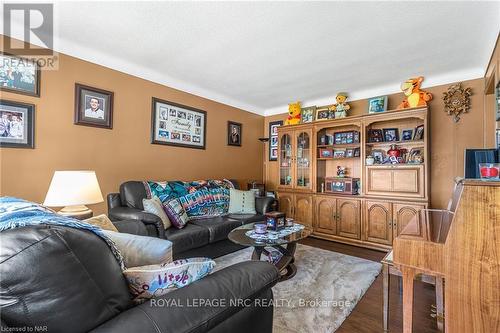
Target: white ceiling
(259, 56)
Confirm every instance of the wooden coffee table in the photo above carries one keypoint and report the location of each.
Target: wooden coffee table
(286, 245)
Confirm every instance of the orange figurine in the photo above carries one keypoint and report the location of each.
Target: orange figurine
(414, 96)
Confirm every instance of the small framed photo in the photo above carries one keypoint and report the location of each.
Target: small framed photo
(181, 126)
(356, 152)
(17, 129)
(273, 139)
(234, 133)
(349, 152)
(93, 107)
(322, 114)
(325, 152)
(391, 134)
(378, 155)
(19, 75)
(308, 114)
(377, 104)
(375, 135)
(419, 133)
(339, 153)
(407, 134)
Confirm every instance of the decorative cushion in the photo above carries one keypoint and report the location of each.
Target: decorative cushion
(176, 213)
(141, 250)
(154, 206)
(101, 221)
(241, 202)
(155, 280)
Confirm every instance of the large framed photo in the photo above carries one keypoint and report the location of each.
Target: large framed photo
(234, 133)
(178, 125)
(308, 114)
(93, 107)
(19, 75)
(17, 124)
(273, 139)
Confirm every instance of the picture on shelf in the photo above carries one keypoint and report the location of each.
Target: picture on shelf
(346, 137)
(322, 114)
(391, 134)
(416, 155)
(377, 104)
(357, 152)
(339, 153)
(419, 133)
(375, 135)
(378, 156)
(407, 135)
(308, 114)
(349, 152)
(325, 152)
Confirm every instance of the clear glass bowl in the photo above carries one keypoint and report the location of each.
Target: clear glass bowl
(489, 170)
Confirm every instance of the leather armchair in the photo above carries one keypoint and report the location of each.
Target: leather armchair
(67, 279)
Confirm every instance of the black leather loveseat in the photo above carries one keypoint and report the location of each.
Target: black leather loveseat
(58, 279)
(204, 237)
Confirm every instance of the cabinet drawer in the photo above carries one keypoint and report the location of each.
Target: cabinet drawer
(402, 180)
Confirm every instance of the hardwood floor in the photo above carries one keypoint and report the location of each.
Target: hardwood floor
(367, 315)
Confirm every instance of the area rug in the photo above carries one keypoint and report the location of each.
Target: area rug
(322, 294)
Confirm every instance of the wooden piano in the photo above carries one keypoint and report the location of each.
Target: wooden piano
(462, 246)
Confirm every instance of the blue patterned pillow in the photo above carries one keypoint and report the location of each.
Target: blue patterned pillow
(176, 213)
(155, 280)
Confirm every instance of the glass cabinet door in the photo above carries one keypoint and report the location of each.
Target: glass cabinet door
(303, 160)
(285, 160)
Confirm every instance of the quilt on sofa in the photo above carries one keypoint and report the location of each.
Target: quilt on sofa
(200, 199)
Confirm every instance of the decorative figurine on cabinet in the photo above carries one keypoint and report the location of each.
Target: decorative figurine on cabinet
(341, 171)
(294, 112)
(340, 107)
(414, 96)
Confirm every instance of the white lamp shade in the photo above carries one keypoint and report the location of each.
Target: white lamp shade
(69, 188)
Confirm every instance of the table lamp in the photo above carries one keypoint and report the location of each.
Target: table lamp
(74, 190)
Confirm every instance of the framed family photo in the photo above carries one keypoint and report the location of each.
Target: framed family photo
(234, 133)
(93, 107)
(273, 139)
(17, 125)
(19, 75)
(178, 125)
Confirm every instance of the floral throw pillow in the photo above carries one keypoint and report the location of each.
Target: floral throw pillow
(155, 280)
(176, 213)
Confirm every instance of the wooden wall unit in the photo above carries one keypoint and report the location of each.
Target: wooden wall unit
(390, 194)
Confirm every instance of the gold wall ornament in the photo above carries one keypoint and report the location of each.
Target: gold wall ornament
(457, 100)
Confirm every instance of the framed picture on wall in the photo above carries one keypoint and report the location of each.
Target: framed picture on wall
(234, 133)
(178, 125)
(19, 75)
(93, 107)
(17, 125)
(273, 139)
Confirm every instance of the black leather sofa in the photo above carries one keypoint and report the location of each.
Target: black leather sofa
(204, 237)
(59, 279)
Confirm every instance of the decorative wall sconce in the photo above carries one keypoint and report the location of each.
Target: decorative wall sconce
(457, 100)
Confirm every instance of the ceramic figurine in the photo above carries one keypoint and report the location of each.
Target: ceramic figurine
(341, 171)
(294, 112)
(414, 96)
(340, 107)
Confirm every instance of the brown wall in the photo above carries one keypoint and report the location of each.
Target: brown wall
(448, 139)
(492, 79)
(125, 152)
